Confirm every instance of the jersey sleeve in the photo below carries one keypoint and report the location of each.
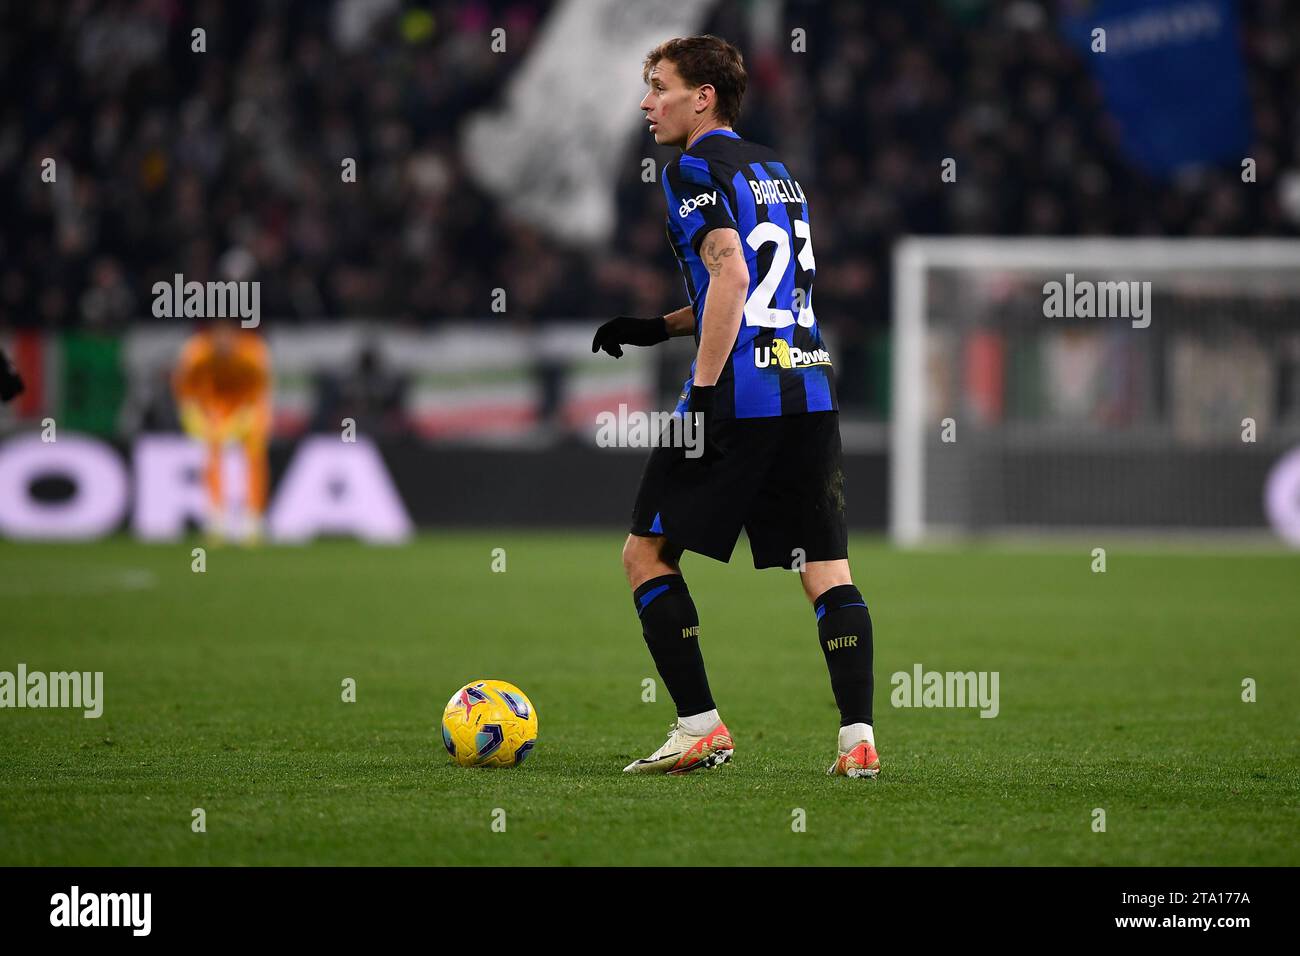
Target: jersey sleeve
(697, 199)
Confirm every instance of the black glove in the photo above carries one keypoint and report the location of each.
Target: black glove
(701, 404)
(11, 383)
(627, 330)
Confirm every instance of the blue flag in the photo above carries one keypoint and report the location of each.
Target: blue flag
(1172, 77)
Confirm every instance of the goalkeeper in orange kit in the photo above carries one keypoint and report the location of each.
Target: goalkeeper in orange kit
(223, 389)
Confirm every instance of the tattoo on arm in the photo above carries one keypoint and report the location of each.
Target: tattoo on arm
(714, 253)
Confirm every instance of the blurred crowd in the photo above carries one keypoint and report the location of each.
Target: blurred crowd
(225, 164)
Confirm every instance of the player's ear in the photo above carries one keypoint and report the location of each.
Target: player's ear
(705, 97)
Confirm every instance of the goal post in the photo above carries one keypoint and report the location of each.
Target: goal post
(1062, 385)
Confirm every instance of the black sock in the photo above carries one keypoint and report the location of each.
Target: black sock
(844, 628)
(672, 632)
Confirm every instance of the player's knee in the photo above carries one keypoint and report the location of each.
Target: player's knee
(820, 577)
(645, 558)
(633, 557)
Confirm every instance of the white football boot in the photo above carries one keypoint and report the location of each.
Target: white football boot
(684, 751)
(857, 753)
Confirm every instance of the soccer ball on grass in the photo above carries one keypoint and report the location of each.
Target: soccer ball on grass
(489, 723)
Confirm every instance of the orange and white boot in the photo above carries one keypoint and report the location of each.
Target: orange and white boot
(685, 751)
(857, 756)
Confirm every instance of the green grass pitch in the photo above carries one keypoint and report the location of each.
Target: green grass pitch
(1120, 691)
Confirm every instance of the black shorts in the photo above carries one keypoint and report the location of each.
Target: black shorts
(779, 478)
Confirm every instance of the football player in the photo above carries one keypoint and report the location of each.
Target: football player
(222, 385)
(762, 389)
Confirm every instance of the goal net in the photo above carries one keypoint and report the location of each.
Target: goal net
(1062, 385)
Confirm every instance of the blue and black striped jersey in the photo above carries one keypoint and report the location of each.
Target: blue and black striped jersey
(779, 364)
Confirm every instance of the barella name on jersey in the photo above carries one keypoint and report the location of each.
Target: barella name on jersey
(784, 355)
(769, 192)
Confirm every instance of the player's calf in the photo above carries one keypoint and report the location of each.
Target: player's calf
(845, 633)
